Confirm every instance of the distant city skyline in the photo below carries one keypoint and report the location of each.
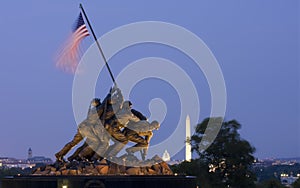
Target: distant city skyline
(256, 44)
(177, 157)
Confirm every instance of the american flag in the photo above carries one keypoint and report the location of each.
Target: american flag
(70, 54)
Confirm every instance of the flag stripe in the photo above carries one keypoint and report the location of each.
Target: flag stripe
(70, 54)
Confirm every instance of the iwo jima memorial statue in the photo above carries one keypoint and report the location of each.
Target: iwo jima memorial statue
(109, 126)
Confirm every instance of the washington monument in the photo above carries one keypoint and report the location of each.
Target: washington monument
(188, 149)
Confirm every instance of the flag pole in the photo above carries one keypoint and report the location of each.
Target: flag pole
(99, 47)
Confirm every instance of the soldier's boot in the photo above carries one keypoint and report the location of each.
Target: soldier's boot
(75, 156)
(71, 158)
(59, 155)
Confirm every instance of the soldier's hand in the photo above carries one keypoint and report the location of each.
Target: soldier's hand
(114, 88)
(118, 90)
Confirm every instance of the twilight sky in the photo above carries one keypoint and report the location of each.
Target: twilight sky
(256, 44)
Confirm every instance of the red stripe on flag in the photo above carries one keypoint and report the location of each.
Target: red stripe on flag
(70, 55)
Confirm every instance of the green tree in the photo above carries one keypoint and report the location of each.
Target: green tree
(270, 183)
(228, 159)
(273, 171)
(296, 184)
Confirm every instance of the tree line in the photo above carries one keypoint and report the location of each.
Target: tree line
(227, 162)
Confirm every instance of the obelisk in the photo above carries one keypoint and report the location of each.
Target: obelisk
(188, 148)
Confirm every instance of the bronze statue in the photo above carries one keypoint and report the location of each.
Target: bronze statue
(135, 126)
(114, 127)
(111, 105)
(112, 119)
(92, 128)
(140, 133)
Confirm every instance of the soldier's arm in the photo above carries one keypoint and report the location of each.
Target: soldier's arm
(138, 114)
(101, 108)
(148, 135)
(133, 118)
(120, 96)
(107, 99)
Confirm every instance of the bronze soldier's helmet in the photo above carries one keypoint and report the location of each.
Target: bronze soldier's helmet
(155, 125)
(96, 102)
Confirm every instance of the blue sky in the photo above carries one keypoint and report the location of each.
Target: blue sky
(256, 43)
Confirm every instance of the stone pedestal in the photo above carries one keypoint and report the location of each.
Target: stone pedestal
(107, 181)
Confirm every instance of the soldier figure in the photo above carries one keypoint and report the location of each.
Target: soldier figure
(138, 126)
(84, 128)
(110, 106)
(140, 133)
(114, 126)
